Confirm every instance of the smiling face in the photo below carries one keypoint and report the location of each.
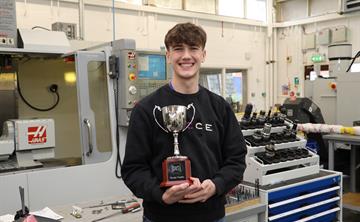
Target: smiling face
(185, 44)
(185, 60)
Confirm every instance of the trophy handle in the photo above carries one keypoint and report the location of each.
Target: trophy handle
(154, 110)
(192, 119)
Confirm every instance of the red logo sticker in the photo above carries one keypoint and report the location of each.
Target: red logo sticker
(37, 134)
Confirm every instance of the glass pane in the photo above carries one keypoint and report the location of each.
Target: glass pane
(256, 9)
(98, 93)
(206, 6)
(231, 8)
(135, 2)
(174, 4)
(234, 89)
(211, 79)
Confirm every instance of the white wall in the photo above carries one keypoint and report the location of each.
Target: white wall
(225, 48)
(289, 45)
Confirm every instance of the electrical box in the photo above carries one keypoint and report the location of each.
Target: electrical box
(309, 41)
(8, 32)
(339, 34)
(68, 28)
(324, 37)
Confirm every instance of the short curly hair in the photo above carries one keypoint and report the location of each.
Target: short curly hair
(185, 33)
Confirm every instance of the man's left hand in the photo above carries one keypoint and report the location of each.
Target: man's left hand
(207, 191)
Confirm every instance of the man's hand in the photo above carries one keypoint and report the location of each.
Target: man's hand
(178, 192)
(207, 191)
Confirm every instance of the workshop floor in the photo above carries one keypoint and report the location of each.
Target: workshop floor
(349, 215)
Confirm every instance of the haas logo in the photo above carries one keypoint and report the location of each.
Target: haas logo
(37, 134)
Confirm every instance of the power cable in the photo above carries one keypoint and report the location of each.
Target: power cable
(118, 165)
(53, 88)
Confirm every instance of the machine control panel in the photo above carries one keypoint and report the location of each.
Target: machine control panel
(140, 73)
(132, 90)
(128, 76)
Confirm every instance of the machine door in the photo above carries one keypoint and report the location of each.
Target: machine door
(93, 100)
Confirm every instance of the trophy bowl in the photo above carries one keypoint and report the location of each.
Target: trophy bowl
(174, 118)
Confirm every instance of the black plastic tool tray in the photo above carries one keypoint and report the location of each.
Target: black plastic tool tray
(283, 155)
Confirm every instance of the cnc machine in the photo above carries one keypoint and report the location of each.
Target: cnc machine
(101, 85)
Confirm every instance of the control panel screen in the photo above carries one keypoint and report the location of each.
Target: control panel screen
(151, 66)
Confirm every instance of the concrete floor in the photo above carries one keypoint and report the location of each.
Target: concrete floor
(349, 215)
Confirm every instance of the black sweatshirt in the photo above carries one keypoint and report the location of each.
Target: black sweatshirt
(213, 143)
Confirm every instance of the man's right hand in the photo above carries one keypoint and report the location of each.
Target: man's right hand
(177, 192)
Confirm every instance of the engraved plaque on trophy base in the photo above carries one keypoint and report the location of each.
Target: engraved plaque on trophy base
(176, 170)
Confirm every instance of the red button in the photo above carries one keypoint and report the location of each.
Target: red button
(333, 85)
(132, 76)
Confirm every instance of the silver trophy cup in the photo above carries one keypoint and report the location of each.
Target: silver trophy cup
(174, 118)
(176, 169)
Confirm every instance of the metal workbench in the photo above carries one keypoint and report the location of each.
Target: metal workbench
(253, 213)
(354, 142)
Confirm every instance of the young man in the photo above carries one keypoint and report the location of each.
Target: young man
(213, 142)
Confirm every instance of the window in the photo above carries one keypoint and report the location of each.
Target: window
(205, 6)
(248, 9)
(231, 8)
(234, 88)
(256, 9)
(174, 4)
(135, 2)
(211, 79)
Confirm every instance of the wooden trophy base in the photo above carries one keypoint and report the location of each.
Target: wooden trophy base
(176, 170)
